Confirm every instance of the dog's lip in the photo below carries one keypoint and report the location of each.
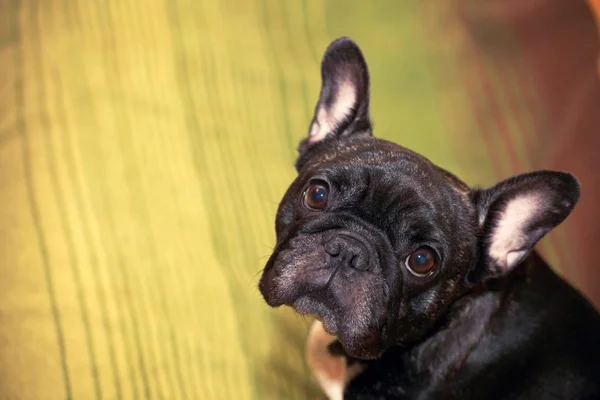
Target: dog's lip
(300, 300)
(307, 306)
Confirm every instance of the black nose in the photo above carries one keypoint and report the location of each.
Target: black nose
(349, 251)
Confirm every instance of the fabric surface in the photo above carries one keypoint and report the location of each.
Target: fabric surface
(144, 147)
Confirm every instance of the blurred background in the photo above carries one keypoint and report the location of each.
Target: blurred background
(144, 147)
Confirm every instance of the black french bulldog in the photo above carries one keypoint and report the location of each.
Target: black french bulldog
(434, 286)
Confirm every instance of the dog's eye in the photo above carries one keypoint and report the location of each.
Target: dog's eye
(315, 197)
(422, 261)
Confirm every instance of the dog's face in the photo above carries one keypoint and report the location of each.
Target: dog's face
(375, 240)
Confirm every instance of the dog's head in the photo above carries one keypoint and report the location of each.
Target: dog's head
(376, 241)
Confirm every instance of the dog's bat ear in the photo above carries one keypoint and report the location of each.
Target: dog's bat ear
(516, 213)
(343, 106)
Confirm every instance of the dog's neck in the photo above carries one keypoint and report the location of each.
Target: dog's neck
(469, 316)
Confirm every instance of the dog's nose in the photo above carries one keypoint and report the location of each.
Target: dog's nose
(349, 251)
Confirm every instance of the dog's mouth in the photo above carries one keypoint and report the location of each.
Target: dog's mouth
(338, 278)
(359, 339)
(308, 306)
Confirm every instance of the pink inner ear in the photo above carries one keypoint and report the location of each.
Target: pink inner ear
(328, 118)
(508, 237)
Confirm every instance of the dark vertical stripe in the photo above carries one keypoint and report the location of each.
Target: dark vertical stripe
(21, 126)
(188, 351)
(291, 44)
(288, 131)
(496, 156)
(310, 40)
(309, 93)
(520, 81)
(143, 209)
(75, 267)
(212, 90)
(128, 333)
(134, 332)
(202, 168)
(497, 116)
(94, 264)
(125, 278)
(471, 91)
(187, 356)
(74, 23)
(161, 295)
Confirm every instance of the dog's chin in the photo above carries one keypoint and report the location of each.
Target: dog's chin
(360, 337)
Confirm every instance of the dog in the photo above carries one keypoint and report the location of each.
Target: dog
(422, 287)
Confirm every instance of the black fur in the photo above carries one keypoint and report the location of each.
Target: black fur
(491, 321)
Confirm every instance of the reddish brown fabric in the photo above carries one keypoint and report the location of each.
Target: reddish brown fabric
(542, 54)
